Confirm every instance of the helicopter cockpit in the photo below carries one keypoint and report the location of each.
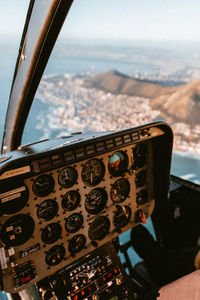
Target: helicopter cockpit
(66, 201)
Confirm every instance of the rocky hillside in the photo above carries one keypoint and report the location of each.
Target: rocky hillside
(117, 83)
(181, 103)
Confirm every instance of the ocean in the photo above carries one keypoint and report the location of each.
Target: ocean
(184, 165)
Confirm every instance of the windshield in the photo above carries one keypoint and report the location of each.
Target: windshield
(119, 64)
(12, 19)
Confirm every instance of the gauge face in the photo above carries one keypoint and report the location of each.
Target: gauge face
(77, 243)
(55, 255)
(51, 233)
(47, 210)
(43, 185)
(96, 201)
(122, 216)
(142, 197)
(67, 177)
(93, 172)
(71, 200)
(99, 228)
(140, 155)
(140, 178)
(17, 230)
(74, 222)
(120, 190)
(118, 163)
(13, 199)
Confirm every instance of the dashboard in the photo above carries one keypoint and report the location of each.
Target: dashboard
(61, 200)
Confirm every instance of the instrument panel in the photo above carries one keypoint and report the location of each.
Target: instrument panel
(55, 217)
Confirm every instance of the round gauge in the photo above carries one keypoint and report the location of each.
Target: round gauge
(67, 177)
(140, 155)
(55, 255)
(47, 210)
(43, 185)
(74, 222)
(76, 244)
(118, 163)
(51, 233)
(99, 228)
(140, 178)
(120, 190)
(96, 201)
(122, 216)
(93, 172)
(13, 199)
(142, 197)
(71, 200)
(17, 230)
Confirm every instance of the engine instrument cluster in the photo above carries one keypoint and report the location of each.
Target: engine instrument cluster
(67, 201)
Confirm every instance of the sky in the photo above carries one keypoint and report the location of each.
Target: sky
(119, 19)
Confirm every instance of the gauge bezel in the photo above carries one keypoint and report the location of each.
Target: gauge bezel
(97, 179)
(72, 240)
(100, 234)
(51, 240)
(125, 220)
(140, 155)
(51, 216)
(99, 207)
(51, 251)
(123, 164)
(74, 178)
(77, 226)
(76, 203)
(114, 186)
(26, 227)
(50, 186)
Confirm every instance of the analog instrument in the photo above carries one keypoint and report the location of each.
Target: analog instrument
(51, 233)
(43, 185)
(120, 190)
(140, 154)
(118, 163)
(70, 200)
(13, 199)
(77, 243)
(96, 201)
(17, 230)
(140, 178)
(99, 228)
(122, 216)
(74, 222)
(93, 172)
(55, 255)
(142, 197)
(67, 177)
(47, 210)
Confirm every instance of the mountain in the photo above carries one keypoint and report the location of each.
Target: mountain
(117, 83)
(182, 105)
(178, 103)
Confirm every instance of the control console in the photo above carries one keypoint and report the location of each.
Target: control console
(62, 199)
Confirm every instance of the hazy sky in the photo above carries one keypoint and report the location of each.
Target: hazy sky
(151, 19)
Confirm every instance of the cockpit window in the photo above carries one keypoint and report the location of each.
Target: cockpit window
(12, 19)
(120, 64)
